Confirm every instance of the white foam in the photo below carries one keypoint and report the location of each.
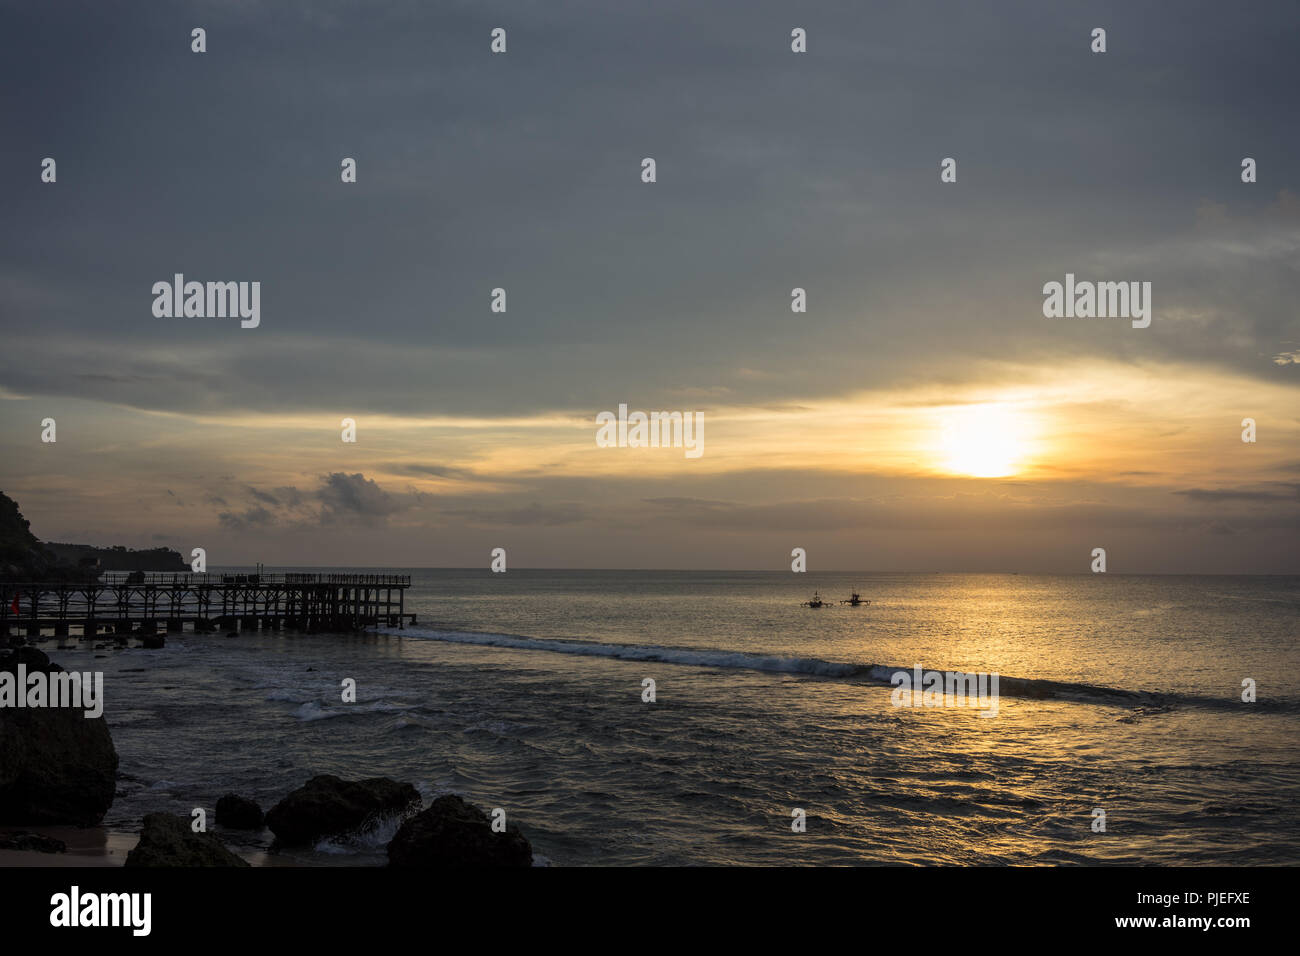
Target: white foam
(312, 710)
(636, 652)
(315, 710)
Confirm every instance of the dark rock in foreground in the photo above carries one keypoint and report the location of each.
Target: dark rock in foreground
(167, 840)
(32, 842)
(239, 813)
(454, 833)
(56, 765)
(327, 805)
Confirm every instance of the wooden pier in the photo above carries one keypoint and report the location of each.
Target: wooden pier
(123, 603)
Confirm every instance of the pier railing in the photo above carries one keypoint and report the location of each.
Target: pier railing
(191, 579)
(124, 602)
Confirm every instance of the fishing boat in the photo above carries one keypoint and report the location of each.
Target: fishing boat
(815, 602)
(855, 600)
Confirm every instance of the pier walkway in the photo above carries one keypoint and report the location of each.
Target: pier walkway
(122, 603)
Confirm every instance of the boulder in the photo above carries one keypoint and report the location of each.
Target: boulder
(327, 805)
(239, 813)
(453, 833)
(167, 840)
(56, 765)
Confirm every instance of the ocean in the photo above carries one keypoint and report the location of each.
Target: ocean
(524, 691)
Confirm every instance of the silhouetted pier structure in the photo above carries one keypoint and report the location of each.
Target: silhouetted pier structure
(143, 603)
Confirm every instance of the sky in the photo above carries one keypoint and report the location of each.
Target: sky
(923, 414)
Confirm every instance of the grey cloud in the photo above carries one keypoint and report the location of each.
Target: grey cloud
(775, 170)
(355, 496)
(264, 496)
(430, 470)
(251, 518)
(340, 498)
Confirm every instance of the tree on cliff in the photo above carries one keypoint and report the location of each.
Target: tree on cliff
(21, 554)
(16, 538)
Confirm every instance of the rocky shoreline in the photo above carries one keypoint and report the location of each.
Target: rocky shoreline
(58, 769)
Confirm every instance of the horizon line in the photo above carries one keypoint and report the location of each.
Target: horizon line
(405, 567)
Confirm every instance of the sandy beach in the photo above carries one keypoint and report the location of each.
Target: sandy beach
(87, 846)
(99, 846)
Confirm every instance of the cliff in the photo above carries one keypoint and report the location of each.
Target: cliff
(118, 558)
(24, 558)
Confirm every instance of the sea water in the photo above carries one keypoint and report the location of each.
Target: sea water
(525, 691)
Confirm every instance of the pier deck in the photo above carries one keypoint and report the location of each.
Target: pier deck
(123, 602)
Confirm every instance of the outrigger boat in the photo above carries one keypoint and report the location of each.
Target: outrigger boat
(855, 600)
(815, 602)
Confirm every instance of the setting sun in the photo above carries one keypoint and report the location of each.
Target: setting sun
(983, 441)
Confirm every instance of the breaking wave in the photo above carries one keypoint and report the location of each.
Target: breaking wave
(1031, 688)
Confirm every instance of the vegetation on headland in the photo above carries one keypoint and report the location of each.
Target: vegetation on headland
(23, 557)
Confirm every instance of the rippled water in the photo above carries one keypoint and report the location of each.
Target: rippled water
(524, 691)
